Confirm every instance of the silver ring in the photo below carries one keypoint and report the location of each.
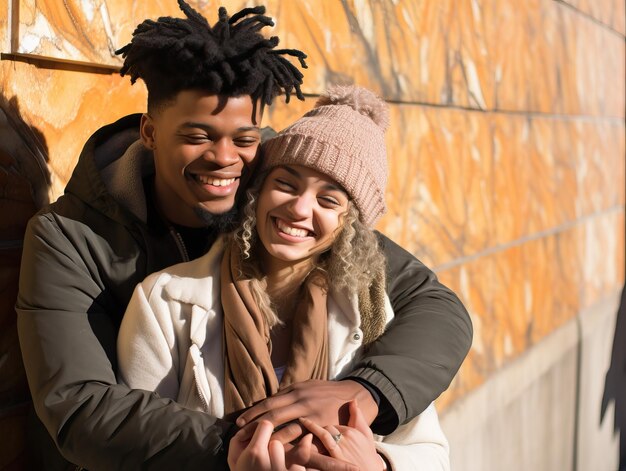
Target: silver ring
(337, 437)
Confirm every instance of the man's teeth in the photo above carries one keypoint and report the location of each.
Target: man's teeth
(292, 231)
(214, 181)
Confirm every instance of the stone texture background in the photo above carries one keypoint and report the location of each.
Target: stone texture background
(506, 147)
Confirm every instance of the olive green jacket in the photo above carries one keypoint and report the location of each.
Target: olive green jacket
(84, 254)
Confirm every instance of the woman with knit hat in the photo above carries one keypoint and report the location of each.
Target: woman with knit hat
(295, 294)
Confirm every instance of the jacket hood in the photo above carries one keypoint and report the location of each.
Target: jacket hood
(110, 170)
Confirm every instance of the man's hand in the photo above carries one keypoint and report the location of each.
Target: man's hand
(323, 402)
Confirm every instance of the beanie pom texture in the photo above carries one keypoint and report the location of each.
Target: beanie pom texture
(359, 99)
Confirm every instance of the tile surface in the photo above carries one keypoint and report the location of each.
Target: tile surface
(506, 146)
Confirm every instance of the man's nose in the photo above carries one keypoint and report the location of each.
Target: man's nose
(223, 152)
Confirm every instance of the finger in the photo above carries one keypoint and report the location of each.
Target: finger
(263, 407)
(284, 414)
(301, 453)
(325, 435)
(245, 434)
(357, 420)
(288, 433)
(285, 433)
(354, 413)
(328, 463)
(311, 426)
(277, 456)
(262, 435)
(286, 389)
(242, 435)
(332, 429)
(252, 413)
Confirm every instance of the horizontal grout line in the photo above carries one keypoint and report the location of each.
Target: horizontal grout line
(49, 62)
(529, 238)
(530, 114)
(591, 18)
(81, 66)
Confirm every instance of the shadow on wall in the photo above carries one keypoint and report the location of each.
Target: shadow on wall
(24, 186)
(615, 383)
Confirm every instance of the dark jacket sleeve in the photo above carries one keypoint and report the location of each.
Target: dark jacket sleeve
(95, 422)
(414, 361)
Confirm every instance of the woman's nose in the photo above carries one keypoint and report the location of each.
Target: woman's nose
(301, 206)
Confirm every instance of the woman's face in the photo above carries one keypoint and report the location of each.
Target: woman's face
(299, 213)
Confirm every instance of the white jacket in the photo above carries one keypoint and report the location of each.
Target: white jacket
(170, 342)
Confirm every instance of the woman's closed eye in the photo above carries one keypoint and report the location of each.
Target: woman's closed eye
(284, 185)
(329, 201)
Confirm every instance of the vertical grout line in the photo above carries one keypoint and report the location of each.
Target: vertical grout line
(15, 25)
(579, 356)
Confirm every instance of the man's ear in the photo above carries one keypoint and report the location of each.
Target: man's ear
(147, 131)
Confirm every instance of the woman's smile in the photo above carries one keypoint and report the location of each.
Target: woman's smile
(284, 228)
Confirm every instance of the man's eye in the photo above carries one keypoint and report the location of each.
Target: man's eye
(246, 142)
(197, 138)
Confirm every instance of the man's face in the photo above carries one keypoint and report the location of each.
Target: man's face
(202, 146)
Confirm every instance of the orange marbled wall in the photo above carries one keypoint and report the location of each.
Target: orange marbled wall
(506, 147)
(611, 13)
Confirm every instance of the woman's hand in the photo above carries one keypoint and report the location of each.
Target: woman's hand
(353, 443)
(263, 454)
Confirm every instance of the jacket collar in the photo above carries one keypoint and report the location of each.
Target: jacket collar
(348, 304)
(198, 282)
(123, 178)
(107, 154)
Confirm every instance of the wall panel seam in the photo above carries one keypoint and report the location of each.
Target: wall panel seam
(498, 111)
(595, 20)
(528, 238)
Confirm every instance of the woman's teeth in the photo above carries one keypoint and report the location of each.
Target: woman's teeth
(292, 231)
(214, 181)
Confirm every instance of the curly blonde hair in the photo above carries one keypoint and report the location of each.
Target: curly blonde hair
(352, 262)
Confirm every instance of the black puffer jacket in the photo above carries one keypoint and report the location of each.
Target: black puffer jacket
(84, 254)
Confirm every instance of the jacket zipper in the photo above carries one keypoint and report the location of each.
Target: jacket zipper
(185, 255)
(203, 400)
(180, 244)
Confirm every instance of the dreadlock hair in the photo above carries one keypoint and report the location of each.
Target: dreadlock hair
(229, 59)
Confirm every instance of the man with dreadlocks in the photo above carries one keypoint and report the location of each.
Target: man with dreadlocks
(155, 189)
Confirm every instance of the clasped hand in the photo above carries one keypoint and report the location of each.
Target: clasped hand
(312, 409)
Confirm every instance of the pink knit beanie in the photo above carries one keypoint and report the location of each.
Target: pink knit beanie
(342, 137)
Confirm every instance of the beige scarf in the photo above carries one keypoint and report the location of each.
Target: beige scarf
(248, 371)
